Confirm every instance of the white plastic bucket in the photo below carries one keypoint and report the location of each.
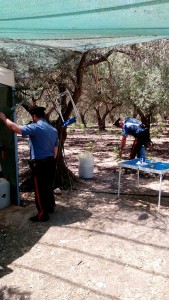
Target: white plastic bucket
(86, 165)
(4, 193)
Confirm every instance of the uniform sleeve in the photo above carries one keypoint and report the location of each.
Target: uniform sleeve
(124, 131)
(28, 129)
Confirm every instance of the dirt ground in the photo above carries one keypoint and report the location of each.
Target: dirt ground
(95, 245)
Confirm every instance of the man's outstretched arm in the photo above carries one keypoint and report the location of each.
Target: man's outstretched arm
(11, 125)
(122, 145)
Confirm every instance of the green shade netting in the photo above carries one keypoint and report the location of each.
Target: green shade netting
(85, 24)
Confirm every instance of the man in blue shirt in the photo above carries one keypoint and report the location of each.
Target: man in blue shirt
(135, 128)
(43, 140)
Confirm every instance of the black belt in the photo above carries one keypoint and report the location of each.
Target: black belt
(43, 159)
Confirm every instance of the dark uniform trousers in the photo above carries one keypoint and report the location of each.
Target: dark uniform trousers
(141, 139)
(43, 171)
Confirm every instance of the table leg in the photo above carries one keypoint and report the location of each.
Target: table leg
(159, 197)
(138, 178)
(119, 181)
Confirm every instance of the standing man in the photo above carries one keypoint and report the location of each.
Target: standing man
(43, 139)
(136, 129)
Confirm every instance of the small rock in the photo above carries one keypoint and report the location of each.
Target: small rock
(100, 284)
(57, 191)
(143, 216)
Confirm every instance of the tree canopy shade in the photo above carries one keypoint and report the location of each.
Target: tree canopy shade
(84, 24)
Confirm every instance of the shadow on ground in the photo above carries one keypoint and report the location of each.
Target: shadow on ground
(18, 235)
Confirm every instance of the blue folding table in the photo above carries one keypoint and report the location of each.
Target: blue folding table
(160, 168)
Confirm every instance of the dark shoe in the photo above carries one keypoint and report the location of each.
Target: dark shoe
(37, 219)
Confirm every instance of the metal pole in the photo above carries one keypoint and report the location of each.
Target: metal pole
(138, 177)
(16, 151)
(119, 181)
(159, 198)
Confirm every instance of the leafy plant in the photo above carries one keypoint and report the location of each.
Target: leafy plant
(154, 132)
(116, 152)
(90, 146)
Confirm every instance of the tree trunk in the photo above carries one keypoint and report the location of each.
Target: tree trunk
(101, 124)
(83, 119)
(100, 120)
(64, 177)
(145, 119)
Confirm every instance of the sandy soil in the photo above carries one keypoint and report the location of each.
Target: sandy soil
(95, 245)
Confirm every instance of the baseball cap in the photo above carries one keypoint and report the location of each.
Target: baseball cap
(38, 111)
(117, 122)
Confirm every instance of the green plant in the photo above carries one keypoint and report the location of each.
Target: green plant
(73, 125)
(116, 152)
(96, 131)
(90, 146)
(149, 156)
(154, 132)
(109, 130)
(116, 133)
(81, 126)
(90, 124)
(70, 130)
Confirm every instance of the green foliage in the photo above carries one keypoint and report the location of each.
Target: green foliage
(132, 75)
(143, 77)
(116, 152)
(161, 126)
(154, 132)
(109, 130)
(148, 155)
(70, 129)
(158, 130)
(116, 133)
(91, 124)
(81, 126)
(90, 146)
(96, 131)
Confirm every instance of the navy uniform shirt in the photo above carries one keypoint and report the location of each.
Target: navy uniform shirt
(132, 127)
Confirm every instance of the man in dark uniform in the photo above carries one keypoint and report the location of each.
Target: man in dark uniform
(136, 129)
(43, 140)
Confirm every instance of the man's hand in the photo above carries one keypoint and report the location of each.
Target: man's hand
(11, 125)
(120, 153)
(2, 117)
(122, 145)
